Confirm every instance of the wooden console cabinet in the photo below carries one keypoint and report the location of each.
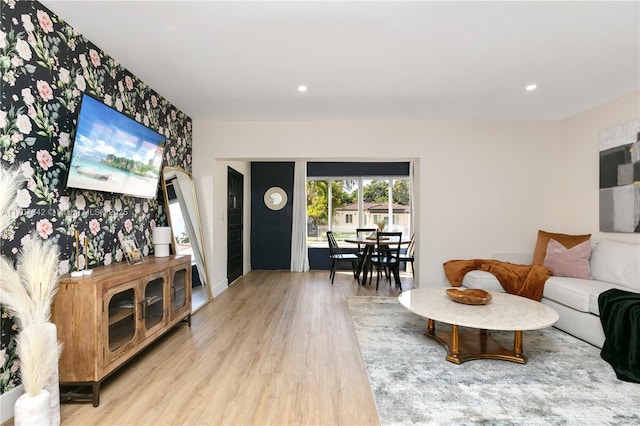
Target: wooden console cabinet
(106, 318)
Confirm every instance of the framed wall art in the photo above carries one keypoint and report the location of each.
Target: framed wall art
(620, 178)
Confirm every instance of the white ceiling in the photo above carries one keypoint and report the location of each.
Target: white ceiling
(370, 60)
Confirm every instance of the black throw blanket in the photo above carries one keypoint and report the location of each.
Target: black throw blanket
(620, 318)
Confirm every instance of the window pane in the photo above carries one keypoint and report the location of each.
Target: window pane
(375, 194)
(401, 195)
(344, 200)
(332, 204)
(317, 212)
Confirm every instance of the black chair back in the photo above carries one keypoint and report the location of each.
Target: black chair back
(387, 255)
(411, 247)
(408, 255)
(388, 245)
(334, 249)
(336, 256)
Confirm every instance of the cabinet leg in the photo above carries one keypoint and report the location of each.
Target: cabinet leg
(96, 394)
(80, 392)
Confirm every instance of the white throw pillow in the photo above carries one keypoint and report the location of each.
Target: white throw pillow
(483, 280)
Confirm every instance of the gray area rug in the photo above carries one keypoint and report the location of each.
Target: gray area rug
(564, 382)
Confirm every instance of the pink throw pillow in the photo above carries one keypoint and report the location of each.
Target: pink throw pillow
(568, 262)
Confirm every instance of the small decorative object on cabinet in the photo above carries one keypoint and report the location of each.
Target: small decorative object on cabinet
(131, 250)
(107, 318)
(161, 240)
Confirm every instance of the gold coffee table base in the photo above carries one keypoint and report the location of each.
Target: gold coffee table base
(472, 345)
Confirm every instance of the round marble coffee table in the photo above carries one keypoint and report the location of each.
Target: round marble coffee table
(504, 312)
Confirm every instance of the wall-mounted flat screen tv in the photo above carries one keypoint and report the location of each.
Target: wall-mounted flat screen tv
(114, 153)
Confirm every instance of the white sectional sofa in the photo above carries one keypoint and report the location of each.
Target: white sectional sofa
(613, 264)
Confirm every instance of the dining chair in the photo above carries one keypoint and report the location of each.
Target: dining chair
(364, 250)
(363, 233)
(387, 255)
(408, 255)
(337, 256)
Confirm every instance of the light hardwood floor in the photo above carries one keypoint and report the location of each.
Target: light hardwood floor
(276, 348)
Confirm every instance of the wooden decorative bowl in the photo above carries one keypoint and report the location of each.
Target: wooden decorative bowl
(469, 296)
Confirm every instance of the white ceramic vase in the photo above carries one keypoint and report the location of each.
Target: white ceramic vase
(29, 409)
(32, 410)
(52, 384)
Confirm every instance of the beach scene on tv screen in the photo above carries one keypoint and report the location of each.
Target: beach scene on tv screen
(114, 153)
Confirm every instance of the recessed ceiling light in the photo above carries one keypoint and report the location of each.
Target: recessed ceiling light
(302, 88)
(531, 88)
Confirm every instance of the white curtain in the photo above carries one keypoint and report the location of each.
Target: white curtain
(299, 252)
(192, 228)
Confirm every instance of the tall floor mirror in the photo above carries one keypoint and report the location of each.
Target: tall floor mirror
(184, 220)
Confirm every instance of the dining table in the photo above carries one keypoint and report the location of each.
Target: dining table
(369, 243)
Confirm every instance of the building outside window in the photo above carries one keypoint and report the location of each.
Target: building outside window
(343, 204)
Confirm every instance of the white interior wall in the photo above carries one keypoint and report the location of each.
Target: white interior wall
(580, 148)
(482, 186)
(211, 183)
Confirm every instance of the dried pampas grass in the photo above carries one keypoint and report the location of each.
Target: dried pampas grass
(37, 358)
(38, 271)
(28, 291)
(13, 294)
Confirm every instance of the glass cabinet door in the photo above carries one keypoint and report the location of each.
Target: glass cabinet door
(178, 289)
(152, 305)
(122, 319)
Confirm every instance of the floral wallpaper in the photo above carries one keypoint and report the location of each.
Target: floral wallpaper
(46, 66)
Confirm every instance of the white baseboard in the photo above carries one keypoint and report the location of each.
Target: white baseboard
(219, 287)
(8, 401)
